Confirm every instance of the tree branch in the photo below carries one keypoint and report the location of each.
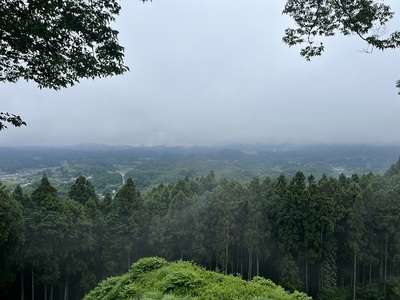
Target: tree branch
(14, 120)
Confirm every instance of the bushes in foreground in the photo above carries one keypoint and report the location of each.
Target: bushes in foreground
(156, 279)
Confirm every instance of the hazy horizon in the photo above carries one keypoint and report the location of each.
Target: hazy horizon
(268, 147)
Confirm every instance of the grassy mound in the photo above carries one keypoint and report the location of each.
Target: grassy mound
(155, 279)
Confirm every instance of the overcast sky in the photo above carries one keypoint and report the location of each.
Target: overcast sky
(213, 72)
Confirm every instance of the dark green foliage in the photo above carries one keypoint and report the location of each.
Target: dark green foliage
(257, 229)
(45, 189)
(371, 292)
(47, 227)
(83, 192)
(56, 43)
(393, 287)
(11, 236)
(289, 274)
(121, 229)
(335, 293)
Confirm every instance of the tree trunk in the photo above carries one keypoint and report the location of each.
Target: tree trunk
(66, 290)
(370, 272)
(232, 267)
(226, 258)
(33, 285)
(321, 273)
(381, 262)
(354, 276)
(386, 255)
(258, 265)
(250, 271)
(385, 270)
(363, 275)
(241, 261)
(45, 291)
(320, 277)
(237, 258)
(306, 273)
(22, 285)
(51, 292)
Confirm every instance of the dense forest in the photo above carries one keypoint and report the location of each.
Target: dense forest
(332, 238)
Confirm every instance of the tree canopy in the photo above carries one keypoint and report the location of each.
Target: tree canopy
(314, 18)
(56, 43)
(324, 18)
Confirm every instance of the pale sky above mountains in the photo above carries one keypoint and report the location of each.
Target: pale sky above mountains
(217, 73)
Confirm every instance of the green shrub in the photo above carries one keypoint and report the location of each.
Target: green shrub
(182, 282)
(112, 288)
(145, 265)
(153, 296)
(155, 279)
(264, 282)
(161, 296)
(127, 291)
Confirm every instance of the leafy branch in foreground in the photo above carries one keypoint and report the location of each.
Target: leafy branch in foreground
(10, 118)
(56, 43)
(323, 18)
(364, 18)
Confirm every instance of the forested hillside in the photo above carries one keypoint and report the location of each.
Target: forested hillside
(335, 236)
